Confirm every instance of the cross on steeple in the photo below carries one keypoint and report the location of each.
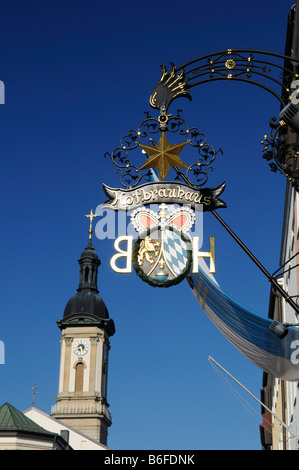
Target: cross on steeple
(91, 216)
(34, 392)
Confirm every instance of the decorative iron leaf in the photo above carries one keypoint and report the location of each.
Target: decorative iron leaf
(273, 167)
(268, 155)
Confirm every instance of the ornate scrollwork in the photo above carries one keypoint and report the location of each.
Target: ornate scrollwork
(281, 154)
(130, 174)
(196, 174)
(230, 64)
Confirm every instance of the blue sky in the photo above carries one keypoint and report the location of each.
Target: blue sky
(78, 76)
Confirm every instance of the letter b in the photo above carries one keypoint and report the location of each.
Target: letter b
(126, 254)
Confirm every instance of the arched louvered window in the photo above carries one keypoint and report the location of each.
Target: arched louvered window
(79, 377)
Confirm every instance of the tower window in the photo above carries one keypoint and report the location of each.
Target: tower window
(79, 377)
(86, 277)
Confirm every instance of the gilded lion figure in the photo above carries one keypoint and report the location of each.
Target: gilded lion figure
(147, 246)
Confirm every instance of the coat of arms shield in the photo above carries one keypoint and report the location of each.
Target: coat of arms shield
(162, 254)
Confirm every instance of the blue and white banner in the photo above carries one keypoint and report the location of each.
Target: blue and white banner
(245, 329)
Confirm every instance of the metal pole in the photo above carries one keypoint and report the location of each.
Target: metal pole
(251, 394)
(258, 264)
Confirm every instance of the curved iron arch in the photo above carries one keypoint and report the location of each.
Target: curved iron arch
(241, 79)
(229, 64)
(270, 71)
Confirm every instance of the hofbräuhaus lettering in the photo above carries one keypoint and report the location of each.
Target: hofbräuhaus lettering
(205, 199)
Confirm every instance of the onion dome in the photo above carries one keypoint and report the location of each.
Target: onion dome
(87, 306)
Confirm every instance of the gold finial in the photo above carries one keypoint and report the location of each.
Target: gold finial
(91, 216)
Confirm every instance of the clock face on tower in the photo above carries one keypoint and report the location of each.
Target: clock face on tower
(80, 347)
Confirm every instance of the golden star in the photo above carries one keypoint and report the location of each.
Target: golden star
(163, 156)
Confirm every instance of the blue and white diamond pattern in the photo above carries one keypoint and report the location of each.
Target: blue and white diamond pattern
(175, 252)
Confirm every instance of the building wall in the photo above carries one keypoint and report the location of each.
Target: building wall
(290, 247)
(285, 395)
(23, 443)
(77, 440)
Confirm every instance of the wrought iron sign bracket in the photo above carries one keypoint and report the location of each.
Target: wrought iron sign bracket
(257, 68)
(275, 73)
(154, 257)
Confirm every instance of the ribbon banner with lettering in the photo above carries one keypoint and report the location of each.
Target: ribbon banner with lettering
(205, 199)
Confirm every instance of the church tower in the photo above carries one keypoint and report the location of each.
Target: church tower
(86, 329)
